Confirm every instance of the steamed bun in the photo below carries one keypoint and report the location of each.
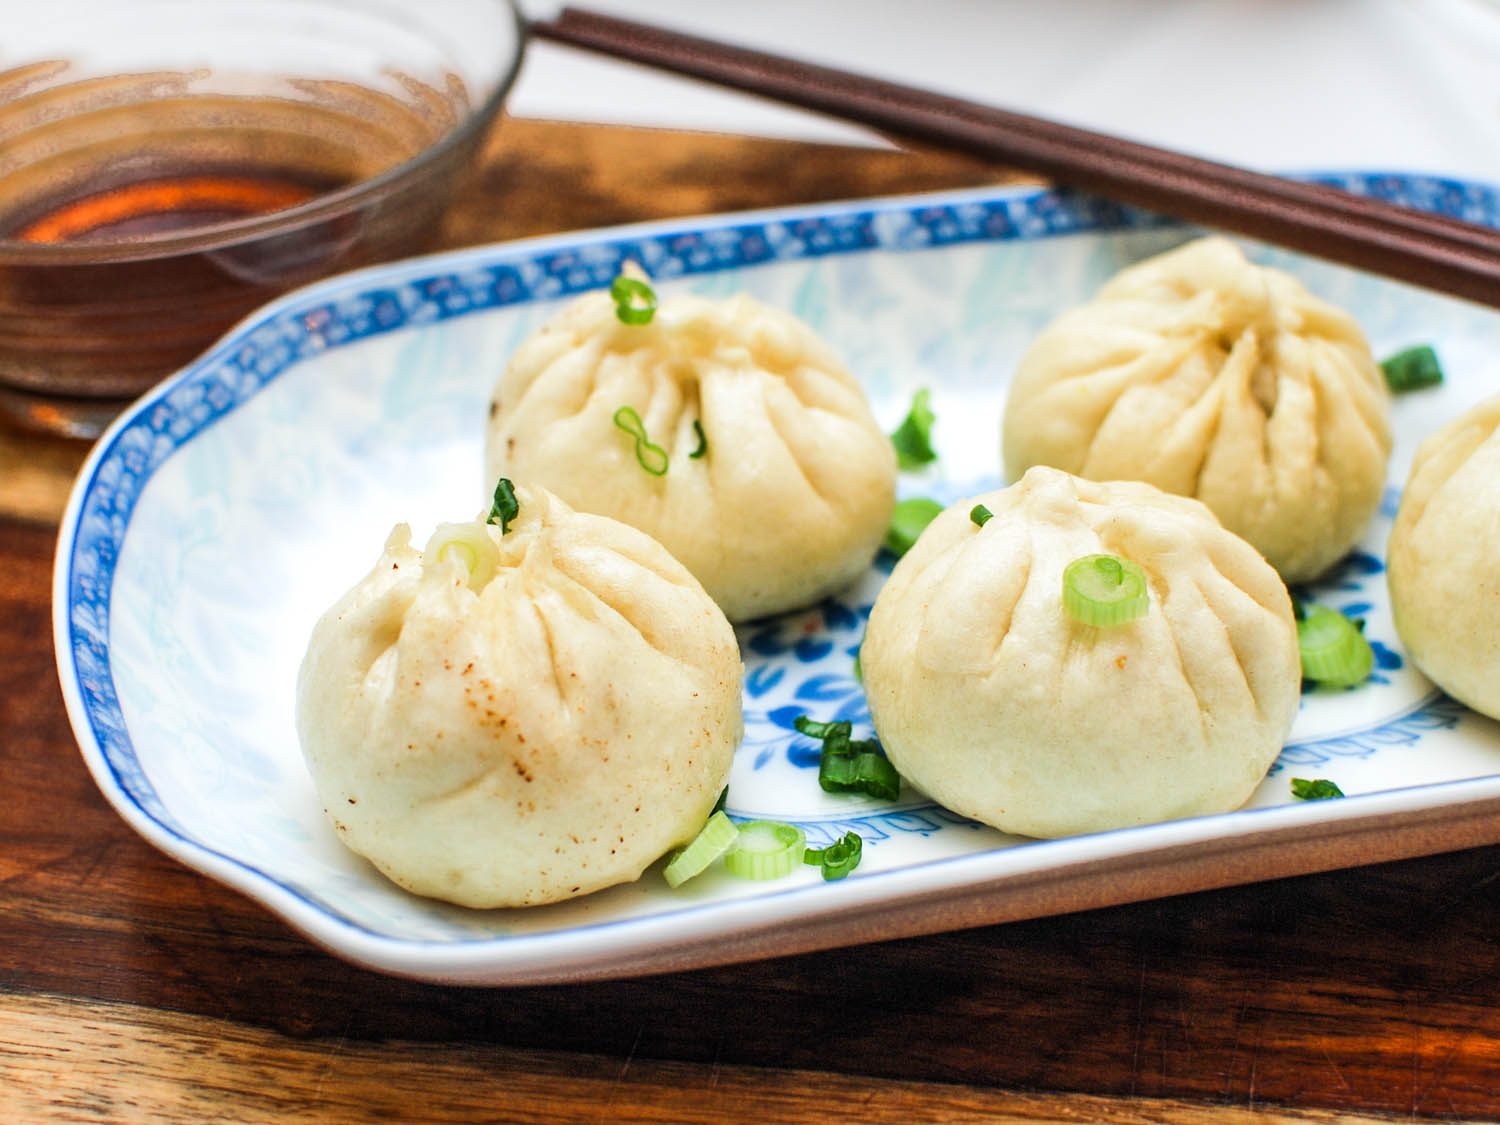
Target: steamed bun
(789, 500)
(991, 698)
(524, 735)
(1214, 378)
(1442, 575)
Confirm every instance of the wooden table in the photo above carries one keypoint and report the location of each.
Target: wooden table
(133, 989)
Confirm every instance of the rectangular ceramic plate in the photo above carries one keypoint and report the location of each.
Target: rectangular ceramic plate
(225, 511)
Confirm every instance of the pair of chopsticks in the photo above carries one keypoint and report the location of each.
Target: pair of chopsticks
(1412, 246)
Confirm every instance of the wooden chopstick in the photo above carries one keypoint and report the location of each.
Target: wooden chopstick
(1423, 249)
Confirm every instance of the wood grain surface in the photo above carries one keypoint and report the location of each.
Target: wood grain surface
(132, 989)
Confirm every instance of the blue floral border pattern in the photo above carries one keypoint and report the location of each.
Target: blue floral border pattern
(256, 355)
(1436, 712)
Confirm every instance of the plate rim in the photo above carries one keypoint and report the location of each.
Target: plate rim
(760, 925)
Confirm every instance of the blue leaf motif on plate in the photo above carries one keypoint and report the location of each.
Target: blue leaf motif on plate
(854, 710)
(839, 616)
(1363, 562)
(1351, 571)
(762, 679)
(826, 689)
(804, 754)
(810, 650)
(766, 642)
(786, 717)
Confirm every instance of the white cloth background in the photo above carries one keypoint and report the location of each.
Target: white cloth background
(1280, 85)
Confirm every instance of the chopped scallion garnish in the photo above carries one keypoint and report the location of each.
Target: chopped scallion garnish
(838, 858)
(716, 838)
(908, 520)
(1104, 590)
(913, 438)
(635, 300)
(702, 441)
(1320, 789)
(814, 729)
(1334, 651)
(470, 544)
(766, 849)
(850, 765)
(980, 515)
(652, 457)
(1412, 368)
(504, 507)
(862, 772)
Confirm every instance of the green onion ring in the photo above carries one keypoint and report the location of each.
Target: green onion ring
(652, 457)
(713, 840)
(811, 727)
(470, 544)
(838, 858)
(635, 300)
(850, 765)
(766, 849)
(1334, 652)
(858, 770)
(1105, 590)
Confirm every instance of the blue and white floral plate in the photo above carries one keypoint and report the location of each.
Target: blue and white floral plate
(227, 509)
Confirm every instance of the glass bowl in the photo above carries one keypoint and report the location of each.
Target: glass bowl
(166, 166)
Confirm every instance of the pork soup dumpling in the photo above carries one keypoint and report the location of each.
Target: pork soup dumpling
(725, 429)
(992, 697)
(1211, 377)
(1441, 561)
(519, 718)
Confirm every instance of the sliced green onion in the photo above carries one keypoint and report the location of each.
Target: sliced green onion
(814, 729)
(635, 300)
(504, 507)
(1104, 590)
(1412, 369)
(716, 838)
(980, 515)
(470, 544)
(849, 765)
(864, 771)
(913, 438)
(908, 520)
(766, 849)
(1319, 790)
(702, 441)
(859, 671)
(838, 858)
(1334, 652)
(652, 457)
